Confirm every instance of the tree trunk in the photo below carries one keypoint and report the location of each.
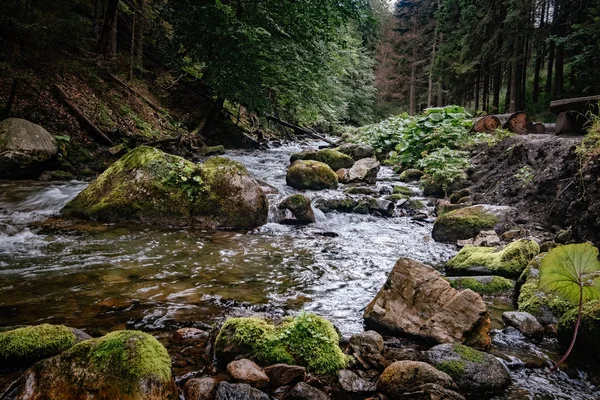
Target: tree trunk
(11, 97)
(497, 87)
(132, 54)
(440, 93)
(520, 123)
(559, 71)
(514, 80)
(477, 87)
(431, 65)
(108, 27)
(140, 32)
(486, 91)
(487, 124)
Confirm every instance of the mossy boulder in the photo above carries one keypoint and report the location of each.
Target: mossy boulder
(431, 188)
(508, 262)
(411, 175)
(465, 223)
(23, 346)
(300, 207)
(25, 148)
(403, 190)
(212, 151)
(307, 340)
(125, 365)
(311, 175)
(475, 372)
(484, 285)
(335, 159)
(357, 151)
(152, 187)
(405, 376)
(357, 205)
(587, 336)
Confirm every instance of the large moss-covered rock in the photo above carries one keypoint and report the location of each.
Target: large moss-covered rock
(300, 207)
(311, 175)
(125, 365)
(24, 346)
(306, 340)
(508, 262)
(357, 151)
(335, 159)
(587, 336)
(473, 371)
(411, 175)
(25, 148)
(487, 285)
(417, 301)
(152, 187)
(406, 376)
(465, 223)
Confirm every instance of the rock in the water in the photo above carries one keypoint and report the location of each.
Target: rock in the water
(357, 205)
(299, 205)
(416, 300)
(357, 151)
(587, 338)
(125, 365)
(23, 346)
(474, 372)
(431, 391)
(303, 391)
(485, 285)
(508, 262)
(484, 239)
(212, 151)
(239, 391)
(246, 371)
(465, 223)
(364, 170)
(411, 175)
(407, 376)
(431, 188)
(284, 374)
(311, 175)
(152, 187)
(25, 148)
(353, 383)
(200, 389)
(369, 346)
(335, 159)
(524, 322)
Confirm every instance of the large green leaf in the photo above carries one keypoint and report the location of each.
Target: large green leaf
(567, 268)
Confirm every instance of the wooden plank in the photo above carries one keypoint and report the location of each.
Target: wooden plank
(579, 104)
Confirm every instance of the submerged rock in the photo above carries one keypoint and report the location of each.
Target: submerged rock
(473, 371)
(407, 376)
(23, 346)
(152, 187)
(333, 158)
(300, 207)
(125, 365)
(311, 175)
(485, 285)
(524, 323)
(25, 148)
(417, 301)
(508, 262)
(465, 223)
(357, 151)
(306, 340)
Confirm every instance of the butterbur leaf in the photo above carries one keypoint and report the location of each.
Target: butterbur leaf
(566, 268)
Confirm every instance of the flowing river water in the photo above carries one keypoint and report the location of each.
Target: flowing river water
(101, 278)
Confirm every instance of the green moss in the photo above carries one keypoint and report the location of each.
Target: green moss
(24, 345)
(306, 340)
(403, 190)
(312, 175)
(414, 205)
(467, 353)
(587, 338)
(534, 301)
(212, 150)
(463, 223)
(452, 367)
(509, 262)
(411, 175)
(333, 158)
(396, 197)
(360, 190)
(496, 285)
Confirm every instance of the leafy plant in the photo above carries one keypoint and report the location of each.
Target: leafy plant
(590, 145)
(186, 178)
(445, 166)
(499, 135)
(525, 175)
(573, 273)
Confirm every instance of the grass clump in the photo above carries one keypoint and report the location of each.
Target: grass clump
(495, 285)
(307, 340)
(25, 345)
(403, 190)
(452, 367)
(468, 354)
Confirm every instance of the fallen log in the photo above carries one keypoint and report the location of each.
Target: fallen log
(580, 105)
(83, 121)
(299, 129)
(520, 124)
(487, 124)
(540, 128)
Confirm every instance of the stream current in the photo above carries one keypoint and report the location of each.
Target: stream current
(101, 277)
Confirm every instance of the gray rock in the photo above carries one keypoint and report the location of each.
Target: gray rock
(300, 206)
(364, 170)
(239, 391)
(303, 391)
(200, 389)
(406, 376)
(431, 391)
(25, 148)
(369, 347)
(357, 151)
(474, 372)
(526, 323)
(246, 371)
(353, 383)
(283, 374)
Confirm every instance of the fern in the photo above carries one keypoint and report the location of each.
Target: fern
(572, 272)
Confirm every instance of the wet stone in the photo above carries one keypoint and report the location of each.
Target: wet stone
(303, 391)
(246, 371)
(353, 383)
(283, 374)
(200, 389)
(239, 391)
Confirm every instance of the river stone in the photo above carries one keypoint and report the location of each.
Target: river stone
(246, 371)
(364, 170)
(357, 151)
(474, 372)
(417, 301)
(466, 223)
(431, 391)
(335, 159)
(487, 285)
(524, 322)
(239, 391)
(311, 175)
(411, 175)
(300, 206)
(484, 239)
(125, 365)
(353, 383)
(303, 391)
(200, 389)
(152, 187)
(284, 374)
(369, 346)
(25, 148)
(407, 376)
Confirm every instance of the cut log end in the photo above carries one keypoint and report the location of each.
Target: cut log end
(520, 124)
(487, 124)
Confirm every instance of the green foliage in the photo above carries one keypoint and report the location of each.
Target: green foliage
(33, 343)
(498, 136)
(468, 354)
(452, 367)
(445, 166)
(496, 285)
(187, 178)
(589, 148)
(306, 340)
(525, 175)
